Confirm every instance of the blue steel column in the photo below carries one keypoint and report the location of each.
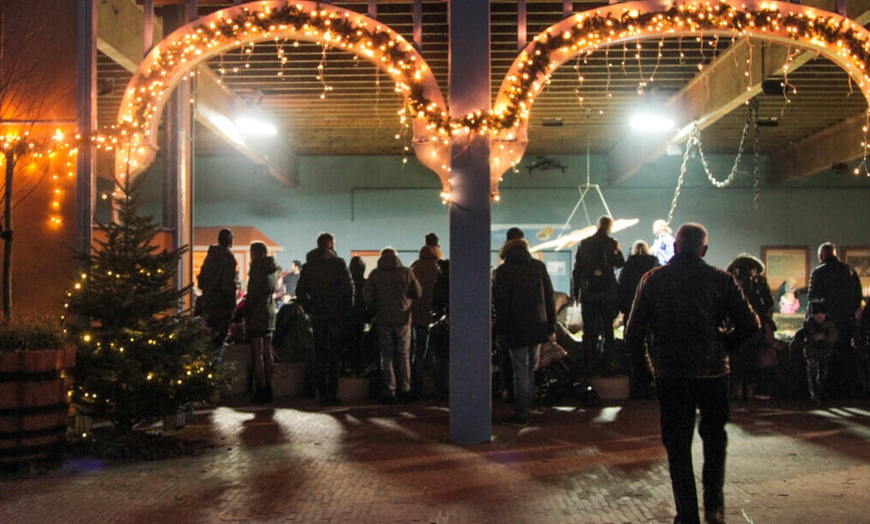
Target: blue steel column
(178, 177)
(86, 82)
(470, 376)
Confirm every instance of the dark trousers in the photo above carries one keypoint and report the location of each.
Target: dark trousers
(328, 337)
(219, 324)
(598, 320)
(678, 399)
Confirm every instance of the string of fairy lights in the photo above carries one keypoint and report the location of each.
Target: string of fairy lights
(335, 28)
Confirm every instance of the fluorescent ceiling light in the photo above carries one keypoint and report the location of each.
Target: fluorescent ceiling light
(651, 122)
(255, 127)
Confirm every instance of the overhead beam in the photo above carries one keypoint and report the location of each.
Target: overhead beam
(838, 144)
(717, 91)
(709, 96)
(215, 105)
(121, 24)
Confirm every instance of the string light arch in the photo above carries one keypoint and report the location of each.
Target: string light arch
(841, 40)
(174, 59)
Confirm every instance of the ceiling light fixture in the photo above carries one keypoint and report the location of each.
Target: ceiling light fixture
(255, 127)
(650, 122)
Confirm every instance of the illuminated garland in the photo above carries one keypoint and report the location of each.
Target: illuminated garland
(838, 38)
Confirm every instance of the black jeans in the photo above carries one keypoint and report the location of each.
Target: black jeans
(328, 340)
(678, 399)
(598, 320)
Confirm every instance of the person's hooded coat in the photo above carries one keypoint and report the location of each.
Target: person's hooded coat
(525, 312)
(259, 302)
(426, 269)
(325, 289)
(390, 290)
(217, 281)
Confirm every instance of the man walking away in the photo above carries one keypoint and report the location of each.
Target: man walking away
(685, 306)
(525, 316)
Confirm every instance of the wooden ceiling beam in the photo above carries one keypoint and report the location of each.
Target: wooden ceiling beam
(820, 151)
(121, 24)
(216, 108)
(716, 92)
(713, 93)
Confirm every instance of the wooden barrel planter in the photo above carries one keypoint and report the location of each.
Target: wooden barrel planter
(34, 403)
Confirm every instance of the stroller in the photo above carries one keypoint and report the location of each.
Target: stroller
(559, 376)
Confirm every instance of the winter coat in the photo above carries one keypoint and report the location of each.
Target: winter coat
(686, 304)
(390, 290)
(441, 291)
(325, 289)
(629, 278)
(596, 259)
(749, 272)
(522, 293)
(426, 271)
(259, 303)
(837, 287)
(217, 281)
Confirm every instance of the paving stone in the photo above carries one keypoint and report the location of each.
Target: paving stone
(296, 462)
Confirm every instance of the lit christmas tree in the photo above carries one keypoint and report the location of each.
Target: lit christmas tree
(138, 356)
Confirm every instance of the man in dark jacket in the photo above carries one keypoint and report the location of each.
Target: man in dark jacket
(426, 270)
(638, 263)
(685, 306)
(525, 316)
(325, 291)
(595, 286)
(835, 285)
(390, 291)
(217, 280)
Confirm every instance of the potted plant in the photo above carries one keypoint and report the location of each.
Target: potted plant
(35, 371)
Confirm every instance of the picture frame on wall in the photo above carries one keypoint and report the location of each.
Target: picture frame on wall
(786, 262)
(859, 258)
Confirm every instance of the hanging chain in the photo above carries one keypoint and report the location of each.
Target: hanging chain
(756, 172)
(695, 141)
(753, 109)
(689, 144)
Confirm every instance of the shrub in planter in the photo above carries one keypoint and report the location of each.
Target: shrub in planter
(35, 363)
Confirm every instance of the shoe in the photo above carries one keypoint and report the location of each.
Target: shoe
(406, 397)
(387, 399)
(761, 396)
(331, 401)
(515, 420)
(714, 517)
(259, 396)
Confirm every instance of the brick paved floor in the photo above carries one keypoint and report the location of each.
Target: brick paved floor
(383, 464)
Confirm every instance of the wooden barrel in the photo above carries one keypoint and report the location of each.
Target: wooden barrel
(34, 403)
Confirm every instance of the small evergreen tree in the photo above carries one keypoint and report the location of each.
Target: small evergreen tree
(138, 356)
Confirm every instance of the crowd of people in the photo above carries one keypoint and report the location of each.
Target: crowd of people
(696, 336)
(395, 305)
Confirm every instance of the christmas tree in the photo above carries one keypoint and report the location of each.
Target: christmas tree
(139, 355)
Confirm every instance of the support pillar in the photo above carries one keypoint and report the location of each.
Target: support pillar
(178, 177)
(86, 99)
(470, 317)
